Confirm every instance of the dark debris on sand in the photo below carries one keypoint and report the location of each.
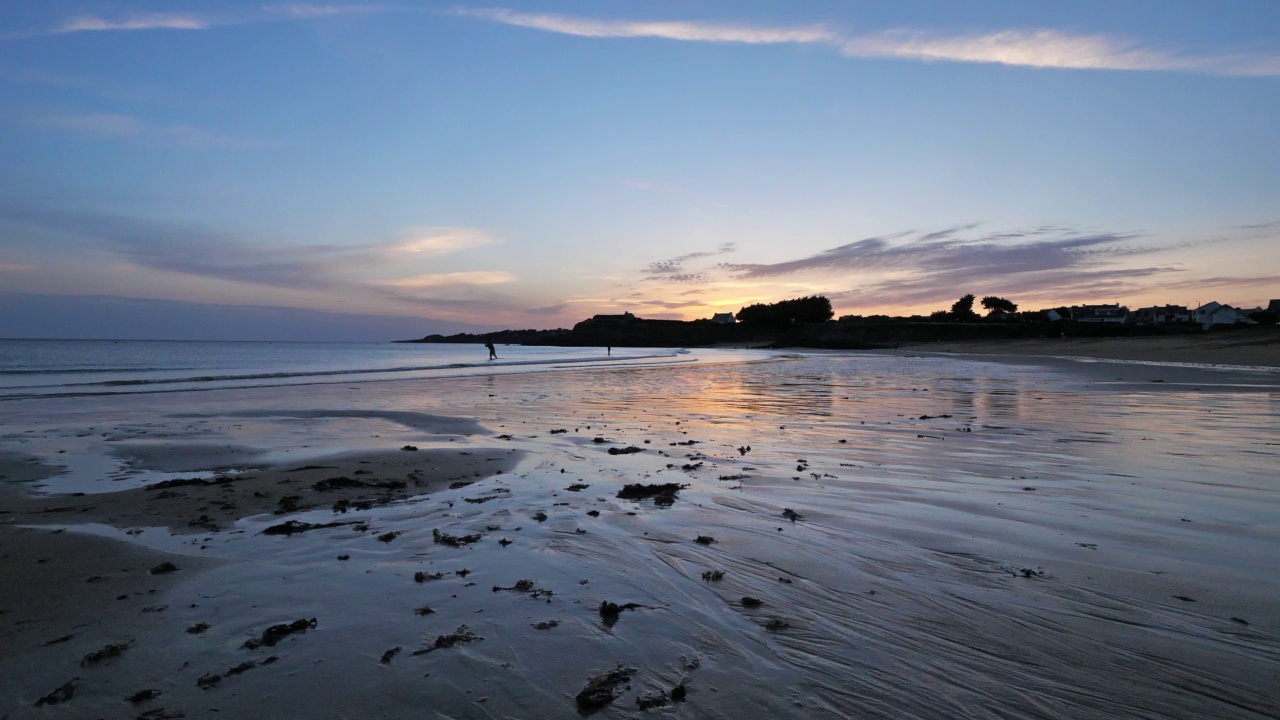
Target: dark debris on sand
(143, 696)
(609, 611)
(187, 482)
(276, 633)
(629, 450)
(209, 680)
(601, 690)
(454, 540)
(292, 527)
(461, 636)
(63, 693)
(107, 652)
(662, 493)
(342, 483)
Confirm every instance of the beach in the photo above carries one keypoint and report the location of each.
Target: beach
(1249, 347)
(918, 533)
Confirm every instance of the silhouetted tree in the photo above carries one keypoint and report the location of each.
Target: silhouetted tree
(995, 304)
(787, 312)
(962, 309)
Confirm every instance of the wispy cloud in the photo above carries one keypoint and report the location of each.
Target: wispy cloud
(114, 125)
(454, 279)
(671, 30)
(206, 21)
(223, 256)
(149, 21)
(673, 270)
(930, 267)
(1041, 48)
(440, 241)
(1044, 263)
(302, 11)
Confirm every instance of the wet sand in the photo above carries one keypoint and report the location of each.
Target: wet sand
(848, 536)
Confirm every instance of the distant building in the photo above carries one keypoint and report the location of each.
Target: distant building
(624, 317)
(1117, 314)
(1053, 315)
(1274, 307)
(1159, 315)
(723, 318)
(1216, 313)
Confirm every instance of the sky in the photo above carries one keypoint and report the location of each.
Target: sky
(357, 171)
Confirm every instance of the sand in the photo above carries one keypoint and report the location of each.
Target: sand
(849, 536)
(1246, 347)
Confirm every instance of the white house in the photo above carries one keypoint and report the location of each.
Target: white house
(1216, 313)
(723, 318)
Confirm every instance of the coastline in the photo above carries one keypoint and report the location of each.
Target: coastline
(876, 528)
(1235, 348)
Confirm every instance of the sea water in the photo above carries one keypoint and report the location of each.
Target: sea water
(42, 368)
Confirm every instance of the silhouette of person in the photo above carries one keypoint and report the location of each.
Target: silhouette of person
(609, 350)
(493, 352)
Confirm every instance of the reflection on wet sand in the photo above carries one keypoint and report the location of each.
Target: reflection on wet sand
(852, 537)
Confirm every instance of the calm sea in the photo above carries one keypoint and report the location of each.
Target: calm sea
(44, 368)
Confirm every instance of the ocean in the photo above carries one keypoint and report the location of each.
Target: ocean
(50, 368)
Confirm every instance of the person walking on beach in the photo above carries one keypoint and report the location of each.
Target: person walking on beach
(493, 352)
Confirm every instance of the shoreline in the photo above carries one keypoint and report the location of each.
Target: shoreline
(1254, 349)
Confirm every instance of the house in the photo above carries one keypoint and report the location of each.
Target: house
(1274, 307)
(1216, 313)
(1159, 315)
(1053, 315)
(1117, 314)
(723, 318)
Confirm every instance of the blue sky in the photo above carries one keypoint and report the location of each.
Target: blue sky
(529, 164)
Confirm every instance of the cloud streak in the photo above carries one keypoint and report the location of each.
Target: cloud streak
(200, 252)
(114, 125)
(150, 21)
(454, 279)
(1038, 48)
(191, 21)
(672, 269)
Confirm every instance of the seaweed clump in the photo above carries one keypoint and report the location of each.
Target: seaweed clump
(276, 633)
(601, 690)
(662, 493)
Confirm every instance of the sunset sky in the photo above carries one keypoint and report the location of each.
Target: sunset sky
(394, 169)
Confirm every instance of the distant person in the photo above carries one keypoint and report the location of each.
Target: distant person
(493, 352)
(609, 350)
